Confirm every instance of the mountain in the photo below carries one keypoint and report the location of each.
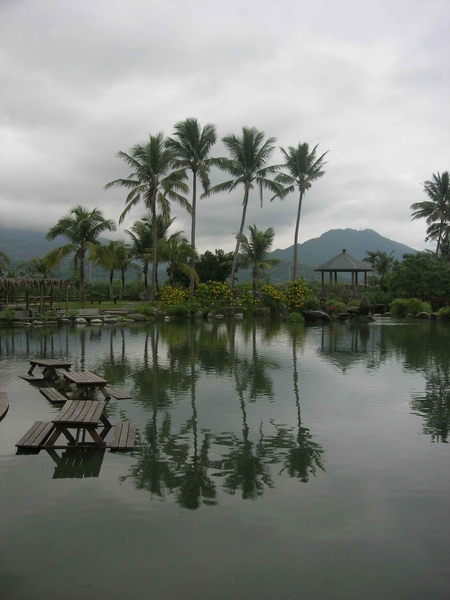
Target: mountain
(317, 251)
(22, 244)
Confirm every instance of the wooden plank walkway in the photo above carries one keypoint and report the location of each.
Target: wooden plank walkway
(4, 403)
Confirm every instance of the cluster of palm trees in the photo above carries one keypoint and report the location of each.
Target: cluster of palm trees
(436, 211)
(159, 173)
(158, 177)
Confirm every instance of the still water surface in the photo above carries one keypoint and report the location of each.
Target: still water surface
(274, 461)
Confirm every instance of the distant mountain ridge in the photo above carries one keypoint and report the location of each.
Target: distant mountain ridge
(22, 244)
(317, 251)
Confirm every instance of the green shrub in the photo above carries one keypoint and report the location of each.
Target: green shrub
(416, 306)
(145, 309)
(402, 307)
(399, 307)
(8, 315)
(311, 302)
(181, 309)
(444, 313)
(295, 317)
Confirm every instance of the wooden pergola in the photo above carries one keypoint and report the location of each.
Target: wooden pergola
(7, 284)
(344, 263)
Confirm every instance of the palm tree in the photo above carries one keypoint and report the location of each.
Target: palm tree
(247, 165)
(436, 210)
(304, 167)
(155, 183)
(381, 261)
(142, 236)
(192, 145)
(82, 228)
(176, 251)
(254, 251)
(112, 256)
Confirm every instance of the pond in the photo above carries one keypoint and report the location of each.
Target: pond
(274, 461)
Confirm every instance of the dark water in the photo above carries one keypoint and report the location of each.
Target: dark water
(275, 461)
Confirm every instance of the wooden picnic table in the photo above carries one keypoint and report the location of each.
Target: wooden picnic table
(83, 416)
(49, 366)
(86, 383)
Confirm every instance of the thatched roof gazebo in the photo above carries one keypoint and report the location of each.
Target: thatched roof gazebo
(344, 263)
(9, 284)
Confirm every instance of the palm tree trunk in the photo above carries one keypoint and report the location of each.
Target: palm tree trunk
(123, 283)
(193, 220)
(297, 225)
(154, 249)
(81, 255)
(239, 237)
(111, 290)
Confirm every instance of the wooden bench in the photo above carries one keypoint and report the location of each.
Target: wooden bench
(116, 393)
(36, 435)
(53, 395)
(36, 300)
(124, 436)
(32, 378)
(95, 298)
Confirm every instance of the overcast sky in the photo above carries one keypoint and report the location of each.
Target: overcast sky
(368, 81)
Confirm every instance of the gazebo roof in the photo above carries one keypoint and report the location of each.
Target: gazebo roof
(344, 263)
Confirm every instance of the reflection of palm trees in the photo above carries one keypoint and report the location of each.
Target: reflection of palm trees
(154, 471)
(303, 458)
(195, 482)
(434, 405)
(246, 467)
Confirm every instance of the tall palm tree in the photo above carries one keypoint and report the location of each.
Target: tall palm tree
(254, 251)
(436, 210)
(192, 145)
(153, 181)
(112, 256)
(304, 167)
(247, 165)
(82, 228)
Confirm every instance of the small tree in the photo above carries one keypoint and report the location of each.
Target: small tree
(81, 227)
(254, 250)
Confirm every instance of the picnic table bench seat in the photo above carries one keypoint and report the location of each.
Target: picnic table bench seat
(53, 395)
(32, 378)
(37, 435)
(124, 436)
(118, 394)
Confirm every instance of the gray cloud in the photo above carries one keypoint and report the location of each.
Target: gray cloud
(366, 81)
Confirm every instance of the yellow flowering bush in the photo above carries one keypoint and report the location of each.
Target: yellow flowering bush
(295, 293)
(168, 296)
(214, 291)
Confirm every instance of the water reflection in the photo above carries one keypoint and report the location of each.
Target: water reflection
(434, 404)
(77, 463)
(176, 460)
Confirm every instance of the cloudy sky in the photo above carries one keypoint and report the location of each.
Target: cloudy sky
(368, 81)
